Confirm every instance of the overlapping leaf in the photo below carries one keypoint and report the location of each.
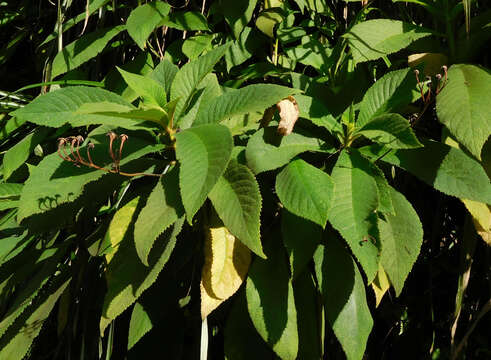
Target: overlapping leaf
(463, 109)
(266, 150)
(237, 200)
(344, 297)
(204, 152)
(401, 236)
(373, 39)
(306, 191)
(144, 19)
(353, 210)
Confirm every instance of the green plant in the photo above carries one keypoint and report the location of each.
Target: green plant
(288, 195)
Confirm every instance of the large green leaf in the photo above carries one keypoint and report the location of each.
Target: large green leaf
(373, 39)
(83, 49)
(383, 189)
(194, 46)
(237, 14)
(389, 94)
(164, 73)
(242, 342)
(186, 21)
(463, 109)
(271, 303)
(127, 278)
(149, 89)
(391, 130)
(237, 200)
(353, 210)
(55, 182)
(314, 110)
(300, 237)
(344, 297)
(446, 168)
(144, 19)
(28, 326)
(59, 107)
(308, 315)
(306, 191)
(10, 190)
(204, 152)
(19, 153)
(140, 324)
(191, 74)
(248, 99)
(401, 236)
(162, 209)
(267, 150)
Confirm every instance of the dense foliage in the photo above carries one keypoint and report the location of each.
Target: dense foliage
(293, 179)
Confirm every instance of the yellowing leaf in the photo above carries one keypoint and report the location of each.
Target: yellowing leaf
(289, 114)
(433, 62)
(481, 216)
(226, 264)
(380, 285)
(119, 224)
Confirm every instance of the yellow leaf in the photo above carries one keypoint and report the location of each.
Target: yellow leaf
(380, 285)
(481, 216)
(433, 62)
(289, 114)
(226, 264)
(118, 227)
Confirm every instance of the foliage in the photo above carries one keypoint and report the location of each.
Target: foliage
(272, 172)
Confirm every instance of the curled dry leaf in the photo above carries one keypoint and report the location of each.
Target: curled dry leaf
(226, 264)
(289, 114)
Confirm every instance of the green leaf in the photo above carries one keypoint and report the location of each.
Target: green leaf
(391, 130)
(248, 99)
(389, 94)
(10, 190)
(186, 21)
(271, 304)
(55, 182)
(206, 91)
(242, 342)
(237, 14)
(308, 315)
(373, 39)
(113, 110)
(305, 190)
(383, 189)
(149, 89)
(401, 236)
(204, 152)
(353, 210)
(127, 278)
(344, 297)
(300, 237)
(191, 74)
(19, 153)
(243, 48)
(162, 209)
(140, 324)
(9, 125)
(463, 109)
(314, 110)
(141, 64)
(164, 74)
(194, 46)
(59, 107)
(144, 19)
(268, 19)
(237, 200)
(446, 168)
(83, 49)
(267, 150)
(312, 53)
(28, 326)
